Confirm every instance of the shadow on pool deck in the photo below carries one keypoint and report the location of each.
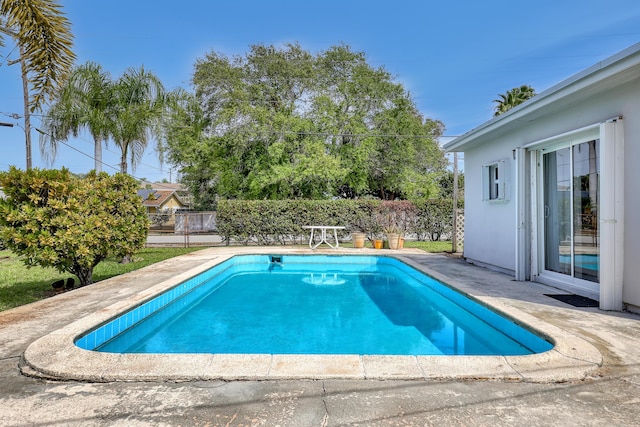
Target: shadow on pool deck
(596, 366)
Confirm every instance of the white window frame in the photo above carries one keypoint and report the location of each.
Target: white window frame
(494, 182)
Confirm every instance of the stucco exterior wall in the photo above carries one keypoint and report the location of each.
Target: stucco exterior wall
(629, 101)
(490, 228)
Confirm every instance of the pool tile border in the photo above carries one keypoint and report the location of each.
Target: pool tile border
(55, 355)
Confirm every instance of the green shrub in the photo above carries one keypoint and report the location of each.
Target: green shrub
(54, 219)
(266, 222)
(434, 218)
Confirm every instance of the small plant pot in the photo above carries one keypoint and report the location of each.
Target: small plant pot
(401, 243)
(378, 243)
(394, 240)
(358, 240)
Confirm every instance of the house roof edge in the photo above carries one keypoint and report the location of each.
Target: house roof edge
(591, 76)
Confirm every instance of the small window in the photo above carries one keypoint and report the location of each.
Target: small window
(494, 181)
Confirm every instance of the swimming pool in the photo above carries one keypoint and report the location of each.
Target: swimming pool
(56, 355)
(313, 304)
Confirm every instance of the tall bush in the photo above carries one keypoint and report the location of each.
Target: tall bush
(53, 219)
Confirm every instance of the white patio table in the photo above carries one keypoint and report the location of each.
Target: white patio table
(323, 235)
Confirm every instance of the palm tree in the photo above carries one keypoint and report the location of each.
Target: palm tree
(84, 102)
(137, 111)
(513, 97)
(44, 38)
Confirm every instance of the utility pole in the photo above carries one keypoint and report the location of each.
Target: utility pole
(454, 236)
(27, 112)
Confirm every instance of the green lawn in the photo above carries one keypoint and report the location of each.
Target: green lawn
(433, 247)
(20, 285)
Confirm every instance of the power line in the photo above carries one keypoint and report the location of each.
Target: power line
(6, 58)
(103, 163)
(113, 152)
(79, 151)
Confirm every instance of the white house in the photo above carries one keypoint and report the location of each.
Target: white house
(552, 187)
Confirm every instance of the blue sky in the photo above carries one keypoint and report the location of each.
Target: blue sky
(454, 56)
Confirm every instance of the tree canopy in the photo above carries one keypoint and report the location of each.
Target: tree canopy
(54, 219)
(281, 122)
(127, 110)
(84, 101)
(513, 98)
(43, 36)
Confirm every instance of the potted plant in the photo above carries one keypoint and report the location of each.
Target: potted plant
(377, 242)
(375, 237)
(393, 237)
(390, 228)
(357, 237)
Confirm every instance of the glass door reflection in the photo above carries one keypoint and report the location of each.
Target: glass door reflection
(570, 196)
(557, 211)
(586, 190)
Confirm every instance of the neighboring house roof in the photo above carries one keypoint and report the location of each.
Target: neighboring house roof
(163, 185)
(605, 75)
(157, 198)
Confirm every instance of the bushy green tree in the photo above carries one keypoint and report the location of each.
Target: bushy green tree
(446, 186)
(54, 219)
(283, 123)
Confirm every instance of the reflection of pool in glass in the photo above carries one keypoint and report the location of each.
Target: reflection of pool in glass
(584, 261)
(313, 305)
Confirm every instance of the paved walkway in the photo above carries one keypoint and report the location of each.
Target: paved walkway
(607, 396)
(171, 239)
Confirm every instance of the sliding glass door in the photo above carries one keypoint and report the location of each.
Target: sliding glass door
(571, 194)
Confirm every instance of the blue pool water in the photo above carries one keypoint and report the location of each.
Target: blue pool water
(313, 305)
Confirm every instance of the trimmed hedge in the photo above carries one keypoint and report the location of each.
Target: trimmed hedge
(268, 222)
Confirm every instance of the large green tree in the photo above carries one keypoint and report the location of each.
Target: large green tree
(84, 102)
(54, 219)
(185, 128)
(513, 98)
(43, 36)
(285, 123)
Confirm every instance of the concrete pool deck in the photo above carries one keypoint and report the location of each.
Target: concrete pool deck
(595, 360)
(55, 356)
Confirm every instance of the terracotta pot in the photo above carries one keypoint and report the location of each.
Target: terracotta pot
(401, 243)
(358, 240)
(378, 243)
(394, 240)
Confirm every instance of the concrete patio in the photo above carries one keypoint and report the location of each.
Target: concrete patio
(597, 381)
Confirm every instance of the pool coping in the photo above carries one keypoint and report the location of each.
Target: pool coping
(55, 356)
